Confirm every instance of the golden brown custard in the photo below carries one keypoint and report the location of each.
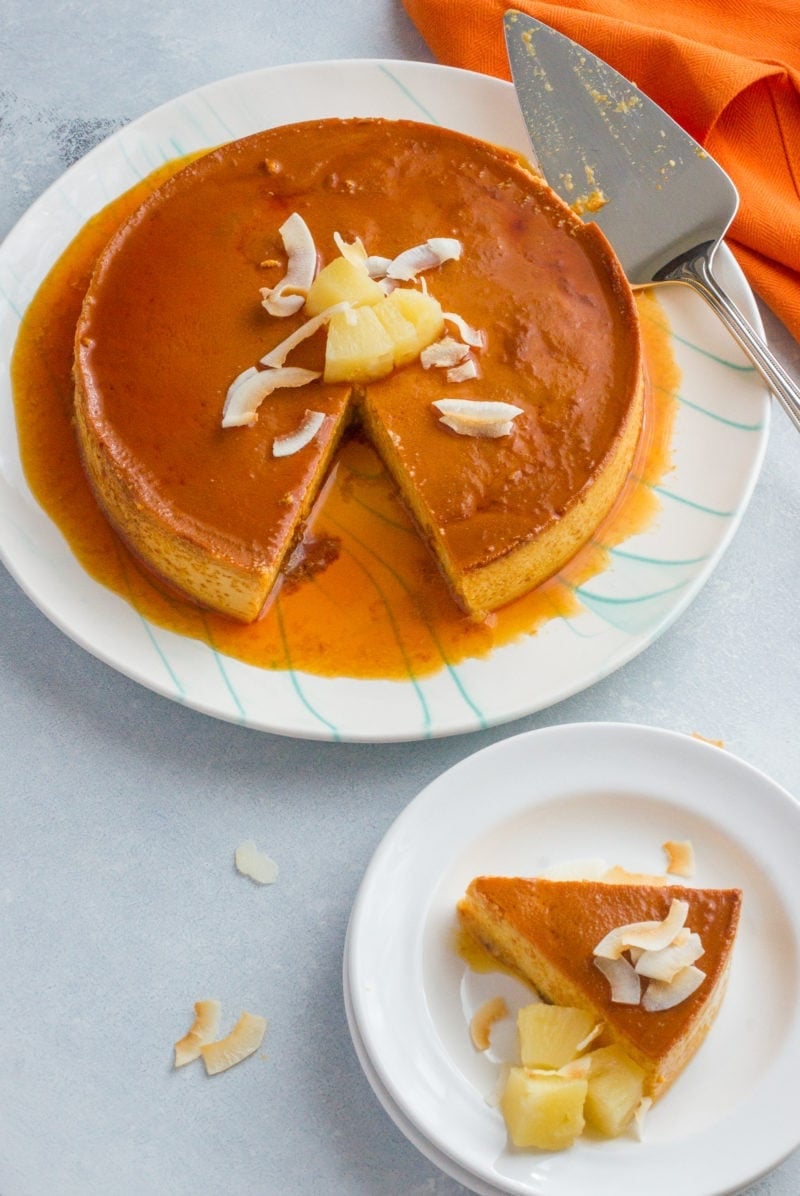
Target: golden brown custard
(546, 931)
(378, 608)
(173, 315)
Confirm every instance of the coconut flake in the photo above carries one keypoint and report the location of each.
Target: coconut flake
(652, 936)
(483, 1019)
(661, 994)
(247, 392)
(377, 266)
(254, 864)
(590, 1037)
(433, 252)
(277, 356)
(204, 1029)
(626, 985)
(472, 417)
(287, 446)
(444, 353)
(288, 295)
(666, 963)
(244, 1039)
(354, 251)
(473, 337)
(639, 1115)
(680, 857)
(464, 372)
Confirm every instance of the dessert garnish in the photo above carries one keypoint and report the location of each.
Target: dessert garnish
(473, 417)
(244, 1039)
(218, 1054)
(483, 1019)
(374, 325)
(203, 1030)
(663, 952)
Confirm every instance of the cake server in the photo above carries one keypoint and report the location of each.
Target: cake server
(619, 160)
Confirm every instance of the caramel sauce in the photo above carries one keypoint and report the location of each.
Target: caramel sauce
(364, 598)
(479, 958)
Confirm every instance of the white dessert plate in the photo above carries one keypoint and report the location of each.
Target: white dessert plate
(589, 791)
(719, 442)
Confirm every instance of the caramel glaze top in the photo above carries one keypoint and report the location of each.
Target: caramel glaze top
(565, 920)
(173, 314)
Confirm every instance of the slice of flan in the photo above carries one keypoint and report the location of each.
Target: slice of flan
(173, 315)
(546, 931)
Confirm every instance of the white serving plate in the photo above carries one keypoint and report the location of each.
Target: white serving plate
(578, 792)
(719, 442)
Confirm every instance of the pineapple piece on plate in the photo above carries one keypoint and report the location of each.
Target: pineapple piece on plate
(544, 1111)
(342, 281)
(358, 348)
(549, 1035)
(615, 1090)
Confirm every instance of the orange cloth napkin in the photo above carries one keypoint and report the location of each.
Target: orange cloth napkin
(728, 71)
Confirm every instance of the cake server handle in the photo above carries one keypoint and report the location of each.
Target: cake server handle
(695, 270)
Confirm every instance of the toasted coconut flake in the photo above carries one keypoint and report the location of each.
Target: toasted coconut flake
(483, 1019)
(244, 1039)
(255, 864)
(680, 857)
(354, 251)
(464, 372)
(433, 252)
(204, 1029)
(661, 994)
(651, 936)
(666, 963)
(471, 417)
(288, 296)
(277, 356)
(247, 392)
(626, 985)
(473, 337)
(444, 353)
(287, 446)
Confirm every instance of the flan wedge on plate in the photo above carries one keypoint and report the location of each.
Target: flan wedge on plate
(548, 931)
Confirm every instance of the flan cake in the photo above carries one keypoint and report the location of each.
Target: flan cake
(174, 315)
(547, 932)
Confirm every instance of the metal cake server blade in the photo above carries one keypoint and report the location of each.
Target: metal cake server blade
(619, 160)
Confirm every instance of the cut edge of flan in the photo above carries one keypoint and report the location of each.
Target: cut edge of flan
(226, 580)
(526, 565)
(486, 912)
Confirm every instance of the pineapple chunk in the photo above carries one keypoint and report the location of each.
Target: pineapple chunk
(421, 310)
(545, 1111)
(342, 280)
(358, 348)
(403, 333)
(549, 1034)
(615, 1090)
